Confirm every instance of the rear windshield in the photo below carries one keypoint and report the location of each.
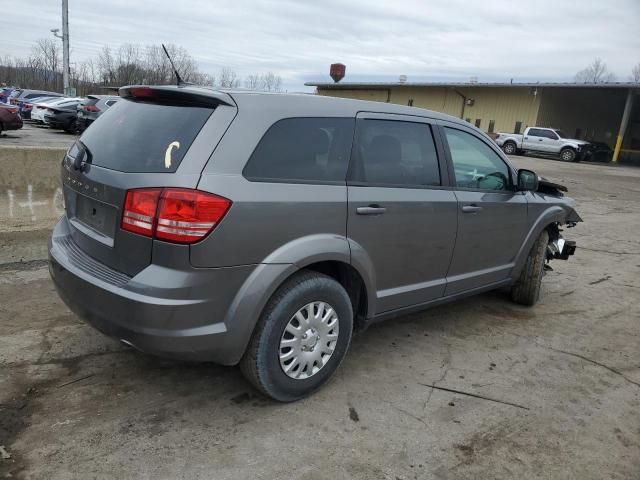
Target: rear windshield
(143, 137)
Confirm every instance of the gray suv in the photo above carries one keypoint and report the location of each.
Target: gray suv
(264, 229)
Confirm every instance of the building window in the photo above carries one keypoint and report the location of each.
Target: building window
(492, 125)
(518, 127)
(478, 122)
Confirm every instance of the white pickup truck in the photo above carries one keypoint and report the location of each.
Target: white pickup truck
(543, 140)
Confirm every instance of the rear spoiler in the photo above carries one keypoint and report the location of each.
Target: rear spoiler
(181, 96)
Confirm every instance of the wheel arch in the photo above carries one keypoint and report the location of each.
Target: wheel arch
(548, 220)
(324, 253)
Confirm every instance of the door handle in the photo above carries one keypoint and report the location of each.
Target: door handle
(371, 210)
(471, 208)
(540, 139)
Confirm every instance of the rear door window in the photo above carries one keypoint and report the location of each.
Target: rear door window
(395, 153)
(143, 137)
(303, 150)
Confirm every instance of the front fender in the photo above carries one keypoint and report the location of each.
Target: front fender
(551, 215)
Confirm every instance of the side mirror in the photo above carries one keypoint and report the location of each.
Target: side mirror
(527, 181)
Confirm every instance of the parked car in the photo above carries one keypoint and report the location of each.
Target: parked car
(263, 229)
(543, 140)
(27, 106)
(20, 95)
(5, 93)
(40, 108)
(9, 118)
(91, 108)
(63, 117)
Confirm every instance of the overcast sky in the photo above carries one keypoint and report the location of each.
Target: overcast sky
(377, 40)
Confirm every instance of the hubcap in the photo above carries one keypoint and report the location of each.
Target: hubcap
(308, 340)
(566, 156)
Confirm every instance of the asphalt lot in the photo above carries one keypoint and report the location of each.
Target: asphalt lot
(36, 136)
(561, 380)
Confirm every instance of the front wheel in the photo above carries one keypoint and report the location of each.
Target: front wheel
(528, 287)
(301, 338)
(568, 155)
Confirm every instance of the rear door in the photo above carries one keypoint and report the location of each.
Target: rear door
(400, 211)
(492, 216)
(137, 143)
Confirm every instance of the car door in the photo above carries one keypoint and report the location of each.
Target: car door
(401, 213)
(492, 215)
(551, 142)
(534, 140)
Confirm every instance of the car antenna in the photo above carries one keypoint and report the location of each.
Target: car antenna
(175, 70)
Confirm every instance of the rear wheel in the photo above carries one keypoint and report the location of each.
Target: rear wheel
(527, 289)
(568, 155)
(510, 148)
(301, 338)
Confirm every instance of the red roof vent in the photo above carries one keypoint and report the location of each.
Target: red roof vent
(337, 71)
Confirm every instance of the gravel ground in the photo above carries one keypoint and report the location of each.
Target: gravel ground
(481, 388)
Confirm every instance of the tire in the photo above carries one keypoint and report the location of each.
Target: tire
(72, 127)
(262, 364)
(567, 155)
(510, 148)
(527, 288)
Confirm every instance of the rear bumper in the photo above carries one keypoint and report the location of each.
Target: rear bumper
(13, 124)
(178, 313)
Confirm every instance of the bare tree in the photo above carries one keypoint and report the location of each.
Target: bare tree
(635, 73)
(596, 72)
(264, 81)
(228, 78)
(272, 82)
(114, 67)
(252, 82)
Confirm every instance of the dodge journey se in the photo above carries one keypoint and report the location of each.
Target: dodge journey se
(264, 229)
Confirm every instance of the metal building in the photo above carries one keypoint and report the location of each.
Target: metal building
(607, 112)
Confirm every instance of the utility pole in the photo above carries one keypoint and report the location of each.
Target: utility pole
(65, 47)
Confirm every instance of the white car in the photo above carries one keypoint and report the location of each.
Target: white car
(39, 108)
(543, 140)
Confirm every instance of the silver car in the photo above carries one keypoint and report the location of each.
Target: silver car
(264, 229)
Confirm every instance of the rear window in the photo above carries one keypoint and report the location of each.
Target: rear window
(304, 150)
(143, 137)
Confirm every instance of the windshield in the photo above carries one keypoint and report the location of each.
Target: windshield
(143, 137)
(561, 134)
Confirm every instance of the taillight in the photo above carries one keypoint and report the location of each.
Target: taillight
(140, 210)
(177, 215)
(12, 110)
(91, 108)
(27, 105)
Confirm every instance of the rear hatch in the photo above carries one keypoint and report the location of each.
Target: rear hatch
(156, 137)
